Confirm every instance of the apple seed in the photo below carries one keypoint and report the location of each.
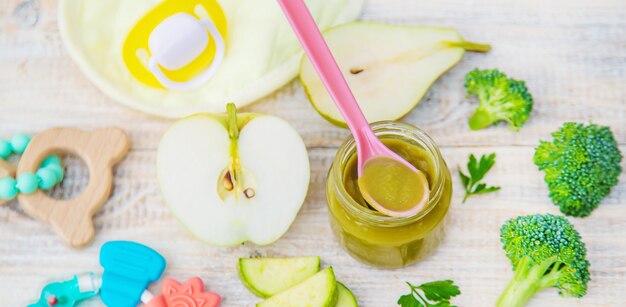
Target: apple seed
(228, 182)
(356, 71)
(249, 193)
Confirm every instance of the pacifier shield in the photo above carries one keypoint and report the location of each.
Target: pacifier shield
(174, 37)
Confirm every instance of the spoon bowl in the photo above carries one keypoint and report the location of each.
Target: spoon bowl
(393, 188)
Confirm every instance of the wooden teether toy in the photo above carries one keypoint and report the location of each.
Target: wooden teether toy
(39, 169)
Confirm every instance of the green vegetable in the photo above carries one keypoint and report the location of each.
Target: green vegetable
(275, 278)
(500, 98)
(546, 251)
(581, 165)
(345, 298)
(266, 277)
(319, 290)
(436, 294)
(477, 171)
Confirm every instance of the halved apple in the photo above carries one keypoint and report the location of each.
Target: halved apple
(388, 67)
(235, 177)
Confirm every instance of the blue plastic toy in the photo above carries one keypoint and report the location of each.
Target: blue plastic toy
(128, 270)
(68, 293)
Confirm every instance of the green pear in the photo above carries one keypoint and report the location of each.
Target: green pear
(234, 177)
(388, 67)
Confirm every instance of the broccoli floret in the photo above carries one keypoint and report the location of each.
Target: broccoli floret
(500, 98)
(546, 251)
(581, 166)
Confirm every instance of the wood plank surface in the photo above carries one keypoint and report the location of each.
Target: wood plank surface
(572, 53)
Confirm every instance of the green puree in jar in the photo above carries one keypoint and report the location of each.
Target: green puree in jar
(412, 154)
(392, 187)
(384, 241)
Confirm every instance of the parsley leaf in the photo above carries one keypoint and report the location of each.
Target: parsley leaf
(435, 294)
(408, 300)
(477, 171)
(439, 290)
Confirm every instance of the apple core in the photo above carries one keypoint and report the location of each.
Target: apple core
(231, 180)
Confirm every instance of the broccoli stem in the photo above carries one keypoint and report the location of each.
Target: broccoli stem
(528, 280)
(482, 118)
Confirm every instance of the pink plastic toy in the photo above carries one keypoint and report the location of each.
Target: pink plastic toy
(189, 294)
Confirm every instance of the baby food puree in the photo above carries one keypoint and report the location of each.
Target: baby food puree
(371, 236)
(393, 185)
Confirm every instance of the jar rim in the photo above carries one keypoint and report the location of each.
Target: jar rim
(388, 128)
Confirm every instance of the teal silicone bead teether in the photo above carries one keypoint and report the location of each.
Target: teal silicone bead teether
(27, 183)
(19, 143)
(57, 170)
(5, 149)
(47, 176)
(7, 188)
(51, 160)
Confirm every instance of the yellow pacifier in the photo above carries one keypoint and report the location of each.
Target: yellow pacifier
(178, 45)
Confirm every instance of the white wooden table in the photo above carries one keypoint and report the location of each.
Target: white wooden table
(572, 53)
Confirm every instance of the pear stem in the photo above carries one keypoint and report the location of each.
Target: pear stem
(471, 46)
(234, 167)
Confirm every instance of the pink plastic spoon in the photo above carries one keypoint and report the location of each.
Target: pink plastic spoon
(373, 156)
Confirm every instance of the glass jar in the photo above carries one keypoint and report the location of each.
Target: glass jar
(372, 237)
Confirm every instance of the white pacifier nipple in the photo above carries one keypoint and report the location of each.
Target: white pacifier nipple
(179, 40)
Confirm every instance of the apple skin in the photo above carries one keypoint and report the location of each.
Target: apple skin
(190, 162)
